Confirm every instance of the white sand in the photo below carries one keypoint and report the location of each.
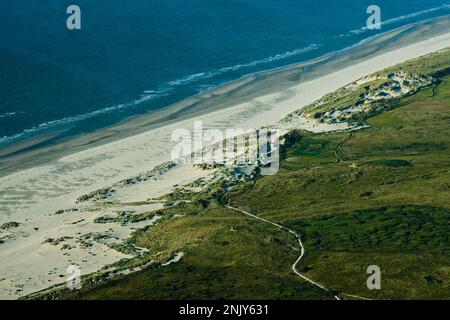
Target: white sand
(29, 265)
(29, 196)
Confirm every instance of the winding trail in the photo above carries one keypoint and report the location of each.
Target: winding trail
(356, 297)
(296, 235)
(339, 145)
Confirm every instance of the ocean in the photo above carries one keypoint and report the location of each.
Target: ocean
(135, 57)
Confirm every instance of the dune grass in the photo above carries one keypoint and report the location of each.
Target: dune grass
(382, 198)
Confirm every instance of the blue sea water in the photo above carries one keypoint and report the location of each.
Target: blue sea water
(136, 56)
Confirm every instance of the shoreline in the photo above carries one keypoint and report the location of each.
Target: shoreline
(33, 196)
(31, 153)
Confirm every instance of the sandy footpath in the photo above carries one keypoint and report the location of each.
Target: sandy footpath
(31, 197)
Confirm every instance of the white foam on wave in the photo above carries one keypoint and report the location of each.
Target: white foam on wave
(73, 119)
(7, 114)
(187, 79)
(206, 75)
(397, 19)
(271, 59)
(147, 95)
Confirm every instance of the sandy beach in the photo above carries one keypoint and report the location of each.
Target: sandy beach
(54, 178)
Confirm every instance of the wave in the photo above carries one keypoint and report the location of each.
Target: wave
(187, 79)
(271, 59)
(206, 75)
(7, 114)
(73, 119)
(147, 95)
(397, 19)
(204, 88)
(360, 43)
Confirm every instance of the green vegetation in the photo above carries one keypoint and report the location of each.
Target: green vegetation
(387, 229)
(387, 203)
(382, 91)
(378, 196)
(125, 217)
(226, 256)
(390, 163)
(9, 225)
(433, 64)
(344, 97)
